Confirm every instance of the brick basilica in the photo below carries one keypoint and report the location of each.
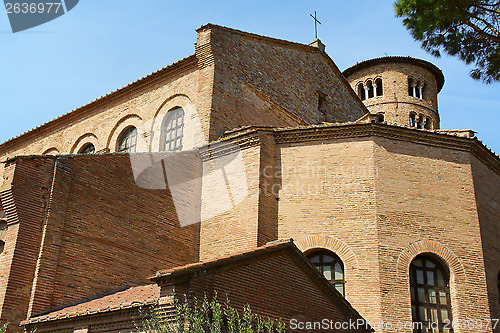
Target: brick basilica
(334, 195)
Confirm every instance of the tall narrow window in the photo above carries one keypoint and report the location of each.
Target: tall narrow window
(361, 92)
(172, 130)
(430, 296)
(413, 122)
(128, 141)
(87, 149)
(411, 85)
(370, 89)
(331, 267)
(380, 91)
(498, 285)
(428, 123)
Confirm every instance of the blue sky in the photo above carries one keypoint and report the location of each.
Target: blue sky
(101, 46)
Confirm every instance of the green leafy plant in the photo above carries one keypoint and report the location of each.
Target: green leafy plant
(206, 316)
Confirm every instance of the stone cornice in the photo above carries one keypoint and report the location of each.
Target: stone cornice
(250, 137)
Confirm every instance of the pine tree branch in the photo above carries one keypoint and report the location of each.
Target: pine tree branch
(481, 32)
(489, 25)
(494, 11)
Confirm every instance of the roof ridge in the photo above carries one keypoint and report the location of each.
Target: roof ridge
(257, 36)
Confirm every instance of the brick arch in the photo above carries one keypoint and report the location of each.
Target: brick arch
(127, 121)
(329, 243)
(83, 140)
(51, 151)
(406, 256)
(193, 135)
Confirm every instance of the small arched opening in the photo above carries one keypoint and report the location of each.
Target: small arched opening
(330, 265)
(379, 90)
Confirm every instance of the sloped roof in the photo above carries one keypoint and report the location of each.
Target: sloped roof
(126, 299)
(179, 274)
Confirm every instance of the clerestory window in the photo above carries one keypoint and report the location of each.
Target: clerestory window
(430, 296)
(332, 268)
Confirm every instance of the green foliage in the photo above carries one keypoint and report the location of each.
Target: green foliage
(3, 328)
(468, 29)
(208, 316)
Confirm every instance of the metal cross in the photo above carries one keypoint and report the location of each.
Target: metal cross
(315, 24)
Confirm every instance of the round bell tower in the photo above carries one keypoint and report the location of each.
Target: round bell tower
(401, 90)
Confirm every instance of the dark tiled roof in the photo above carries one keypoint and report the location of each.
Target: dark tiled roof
(223, 260)
(129, 298)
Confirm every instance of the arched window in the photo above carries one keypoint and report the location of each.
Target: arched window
(51, 151)
(428, 123)
(381, 117)
(421, 122)
(87, 149)
(361, 92)
(331, 266)
(430, 295)
(127, 141)
(369, 86)
(498, 285)
(172, 130)
(378, 83)
(413, 122)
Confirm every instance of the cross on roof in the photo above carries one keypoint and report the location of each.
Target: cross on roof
(316, 21)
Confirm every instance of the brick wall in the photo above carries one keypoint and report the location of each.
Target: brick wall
(237, 228)
(425, 195)
(274, 287)
(328, 190)
(24, 194)
(487, 192)
(395, 103)
(101, 232)
(267, 82)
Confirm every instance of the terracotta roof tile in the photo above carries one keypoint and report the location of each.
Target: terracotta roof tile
(129, 298)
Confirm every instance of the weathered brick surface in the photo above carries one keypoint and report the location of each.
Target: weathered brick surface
(427, 194)
(236, 229)
(93, 231)
(396, 104)
(275, 286)
(377, 203)
(265, 82)
(487, 193)
(24, 194)
(328, 190)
